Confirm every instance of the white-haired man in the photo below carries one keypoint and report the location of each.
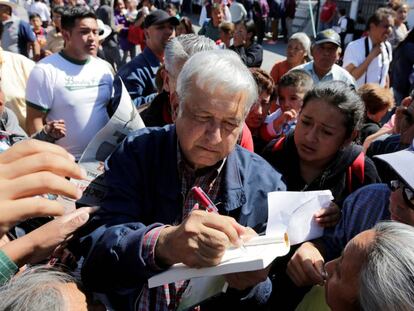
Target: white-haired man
(145, 224)
(177, 51)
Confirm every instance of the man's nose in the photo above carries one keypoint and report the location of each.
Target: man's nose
(214, 132)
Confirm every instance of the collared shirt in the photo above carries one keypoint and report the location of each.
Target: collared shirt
(355, 53)
(7, 268)
(167, 297)
(361, 211)
(139, 77)
(335, 74)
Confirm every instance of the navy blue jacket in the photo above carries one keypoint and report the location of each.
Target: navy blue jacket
(139, 77)
(145, 191)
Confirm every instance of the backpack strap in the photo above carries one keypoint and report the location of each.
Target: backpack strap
(357, 168)
(278, 144)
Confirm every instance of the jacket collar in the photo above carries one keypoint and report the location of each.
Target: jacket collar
(232, 193)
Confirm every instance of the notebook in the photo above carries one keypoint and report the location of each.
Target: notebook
(257, 254)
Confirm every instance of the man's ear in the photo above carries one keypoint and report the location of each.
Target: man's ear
(338, 54)
(165, 80)
(65, 34)
(146, 35)
(174, 105)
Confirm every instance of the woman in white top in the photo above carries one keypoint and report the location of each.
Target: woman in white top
(399, 30)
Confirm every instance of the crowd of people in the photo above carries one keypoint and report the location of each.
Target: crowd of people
(337, 114)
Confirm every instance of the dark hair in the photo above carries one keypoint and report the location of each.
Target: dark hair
(171, 6)
(263, 80)
(186, 22)
(342, 11)
(70, 16)
(376, 98)
(296, 78)
(250, 27)
(33, 15)
(379, 15)
(342, 96)
(58, 10)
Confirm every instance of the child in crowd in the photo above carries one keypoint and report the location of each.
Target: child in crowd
(291, 90)
(378, 101)
(171, 9)
(184, 27)
(260, 108)
(40, 32)
(226, 30)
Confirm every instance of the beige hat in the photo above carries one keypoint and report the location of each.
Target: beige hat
(104, 30)
(9, 3)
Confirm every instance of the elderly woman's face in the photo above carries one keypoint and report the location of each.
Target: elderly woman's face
(342, 285)
(209, 125)
(320, 133)
(295, 53)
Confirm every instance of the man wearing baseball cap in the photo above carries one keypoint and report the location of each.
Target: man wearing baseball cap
(325, 51)
(139, 74)
(17, 35)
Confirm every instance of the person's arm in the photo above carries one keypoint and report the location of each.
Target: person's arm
(41, 242)
(137, 85)
(254, 55)
(358, 71)
(32, 168)
(51, 131)
(34, 120)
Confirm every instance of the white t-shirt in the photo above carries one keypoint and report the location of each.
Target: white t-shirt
(378, 69)
(76, 93)
(41, 9)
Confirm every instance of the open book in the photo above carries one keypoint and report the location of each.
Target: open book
(257, 254)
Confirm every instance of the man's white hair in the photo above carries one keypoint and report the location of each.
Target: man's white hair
(179, 49)
(217, 70)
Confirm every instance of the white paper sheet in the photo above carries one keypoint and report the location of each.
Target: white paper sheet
(293, 212)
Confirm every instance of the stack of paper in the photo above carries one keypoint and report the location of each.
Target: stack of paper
(259, 252)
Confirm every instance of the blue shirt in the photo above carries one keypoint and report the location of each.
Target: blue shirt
(139, 78)
(361, 211)
(336, 73)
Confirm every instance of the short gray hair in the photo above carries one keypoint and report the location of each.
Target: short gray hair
(304, 40)
(387, 277)
(179, 49)
(35, 289)
(217, 69)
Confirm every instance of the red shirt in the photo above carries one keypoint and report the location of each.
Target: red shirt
(328, 11)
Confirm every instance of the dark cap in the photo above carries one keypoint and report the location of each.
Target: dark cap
(328, 36)
(159, 17)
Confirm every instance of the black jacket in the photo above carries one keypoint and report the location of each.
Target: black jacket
(334, 177)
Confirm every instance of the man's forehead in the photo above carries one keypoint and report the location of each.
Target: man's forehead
(87, 22)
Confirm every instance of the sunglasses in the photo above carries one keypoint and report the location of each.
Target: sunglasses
(408, 194)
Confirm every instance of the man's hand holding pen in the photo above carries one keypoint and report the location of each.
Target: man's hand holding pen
(199, 241)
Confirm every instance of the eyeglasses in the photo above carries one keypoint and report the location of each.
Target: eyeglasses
(408, 194)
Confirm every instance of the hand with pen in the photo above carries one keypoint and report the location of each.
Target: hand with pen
(200, 240)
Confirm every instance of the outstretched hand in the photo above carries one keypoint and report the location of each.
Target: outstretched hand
(42, 242)
(31, 168)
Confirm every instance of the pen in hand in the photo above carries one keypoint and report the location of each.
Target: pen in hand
(209, 206)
